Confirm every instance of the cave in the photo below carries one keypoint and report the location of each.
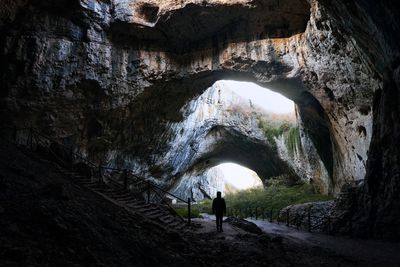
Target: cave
(253, 126)
(227, 178)
(134, 94)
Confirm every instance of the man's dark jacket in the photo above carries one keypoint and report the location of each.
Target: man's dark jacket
(219, 206)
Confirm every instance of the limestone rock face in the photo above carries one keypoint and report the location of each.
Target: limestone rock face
(9, 9)
(154, 22)
(329, 57)
(314, 216)
(89, 97)
(367, 25)
(112, 79)
(303, 157)
(200, 186)
(221, 126)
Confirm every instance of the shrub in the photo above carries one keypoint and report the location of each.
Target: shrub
(275, 197)
(183, 212)
(293, 141)
(273, 129)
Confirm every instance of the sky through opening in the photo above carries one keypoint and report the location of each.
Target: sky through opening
(236, 175)
(240, 177)
(261, 96)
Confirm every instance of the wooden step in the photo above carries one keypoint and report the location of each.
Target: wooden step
(128, 198)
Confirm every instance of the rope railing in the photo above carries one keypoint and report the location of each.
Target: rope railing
(34, 140)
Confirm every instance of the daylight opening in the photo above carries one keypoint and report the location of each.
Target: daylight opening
(237, 122)
(260, 96)
(237, 178)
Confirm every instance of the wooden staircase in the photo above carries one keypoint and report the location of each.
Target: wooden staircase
(133, 199)
(133, 202)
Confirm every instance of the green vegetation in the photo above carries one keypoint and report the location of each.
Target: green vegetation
(292, 141)
(205, 206)
(274, 197)
(273, 129)
(183, 212)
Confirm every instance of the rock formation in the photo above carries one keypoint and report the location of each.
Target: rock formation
(221, 126)
(111, 77)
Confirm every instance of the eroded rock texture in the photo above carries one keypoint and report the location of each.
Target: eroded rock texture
(109, 78)
(220, 126)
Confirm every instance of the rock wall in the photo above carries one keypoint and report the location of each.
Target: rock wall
(84, 79)
(199, 186)
(343, 83)
(299, 151)
(101, 76)
(373, 27)
(313, 216)
(195, 147)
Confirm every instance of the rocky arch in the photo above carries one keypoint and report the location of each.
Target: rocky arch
(347, 52)
(152, 130)
(230, 145)
(129, 71)
(224, 144)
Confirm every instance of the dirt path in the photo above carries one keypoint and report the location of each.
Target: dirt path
(374, 252)
(362, 252)
(208, 225)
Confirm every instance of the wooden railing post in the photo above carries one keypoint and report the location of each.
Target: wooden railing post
(189, 212)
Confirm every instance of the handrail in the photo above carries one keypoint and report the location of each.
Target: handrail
(141, 178)
(112, 169)
(166, 192)
(169, 206)
(66, 147)
(52, 152)
(151, 183)
(33, 131)
(297, 220)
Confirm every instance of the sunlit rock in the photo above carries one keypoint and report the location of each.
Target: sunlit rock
(113, 79)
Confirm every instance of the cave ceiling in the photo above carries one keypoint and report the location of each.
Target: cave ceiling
(182, 27)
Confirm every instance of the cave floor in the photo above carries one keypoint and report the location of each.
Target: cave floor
(347, 251)
(243, 246)
(373, 252)
(47, 220)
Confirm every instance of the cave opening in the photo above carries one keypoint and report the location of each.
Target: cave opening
(251, 125)
(108, 106)
(237, 178)
(227, 178)
(261, 97)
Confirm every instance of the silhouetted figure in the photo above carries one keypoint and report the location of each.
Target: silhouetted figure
(219, 208)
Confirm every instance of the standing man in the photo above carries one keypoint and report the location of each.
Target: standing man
(219, 208)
